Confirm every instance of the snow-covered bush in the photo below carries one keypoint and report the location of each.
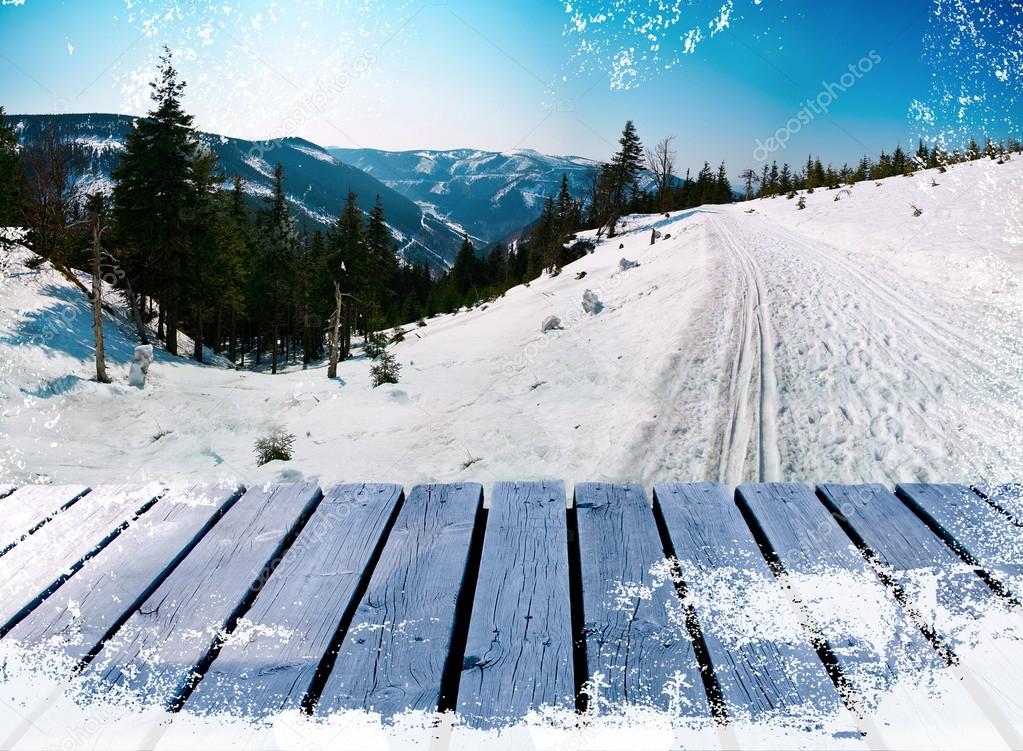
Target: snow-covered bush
(385, 371)
(277, 446)
(801, 203)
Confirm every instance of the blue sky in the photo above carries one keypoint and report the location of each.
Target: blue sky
(495, 75)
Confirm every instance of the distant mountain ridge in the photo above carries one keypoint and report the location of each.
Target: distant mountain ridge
(490, 194)
(315, 181)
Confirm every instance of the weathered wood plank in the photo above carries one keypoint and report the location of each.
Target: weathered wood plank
(155, 654)
(1008, 497)
(394, 656)
(907, 692)
(983, 534)
(518, 655)
(762, 658)
(57, 550)
(943, 592)
(270, 661)
(85, 609)
(28, 508)
(636, 636)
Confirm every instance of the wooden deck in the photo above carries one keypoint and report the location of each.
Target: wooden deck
(690, 599)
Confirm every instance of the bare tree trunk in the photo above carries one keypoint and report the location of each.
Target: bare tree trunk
(232, 347)
(97, 306)
(135, 304)
(335, 333)
(200, 334)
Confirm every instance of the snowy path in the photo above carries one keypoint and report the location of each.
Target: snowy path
(847, 342)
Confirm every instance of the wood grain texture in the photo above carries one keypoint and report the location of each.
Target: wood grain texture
(270, 661)
(1008, 497)
(82, 612)
(636, 638)
(982, 533)
(394, 655)
(154, 656)
(31, 506)
(58, 549)
(771, 669)
(518, 655)
(942, 591)
(892, 673)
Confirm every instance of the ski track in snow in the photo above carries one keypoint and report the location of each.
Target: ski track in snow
(848, 342)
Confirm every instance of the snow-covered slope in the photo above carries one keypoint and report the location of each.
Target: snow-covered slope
(850, 341)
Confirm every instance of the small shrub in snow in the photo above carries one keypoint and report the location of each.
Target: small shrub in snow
(580, 275)
(916, 210)
(277, 446)
(801, 204)
(791, 195)
(399, 336)
(385, 371)
(375, 345)
(421, 323)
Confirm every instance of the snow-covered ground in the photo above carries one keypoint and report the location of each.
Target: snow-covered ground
(850, 341)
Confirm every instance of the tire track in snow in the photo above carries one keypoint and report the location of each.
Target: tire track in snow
(751, 428)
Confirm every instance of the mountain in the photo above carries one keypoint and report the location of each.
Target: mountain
(489, 194)
(315, 181)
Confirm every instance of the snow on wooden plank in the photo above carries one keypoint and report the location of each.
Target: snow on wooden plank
(84, 610)
(394, 656)
(907, 693)
(29, 507)
(1008, 497)
(155, 655)
(765, 665)
(57, 550)
(269, 662)
(944, 593)
(518, 655)
(984, 535)
(638, 648)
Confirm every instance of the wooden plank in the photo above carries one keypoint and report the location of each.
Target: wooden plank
(982, 534)
(1008, 497)
(636, 637)
(762, 658)
(907, 693)
(518, 655)
(84, 610)
(57, 550)
(270, 661)
(155, 655)
(394, 656)
(943, 593)
(28, 508)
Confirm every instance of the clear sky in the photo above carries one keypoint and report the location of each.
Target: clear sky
(560, 77)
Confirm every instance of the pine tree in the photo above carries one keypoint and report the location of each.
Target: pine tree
(279, 245)
(11, 202)
(154, 198)
(620, 176)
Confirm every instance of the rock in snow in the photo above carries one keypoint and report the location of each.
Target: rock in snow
(592, 303)
(625, 264)
(549, 324)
